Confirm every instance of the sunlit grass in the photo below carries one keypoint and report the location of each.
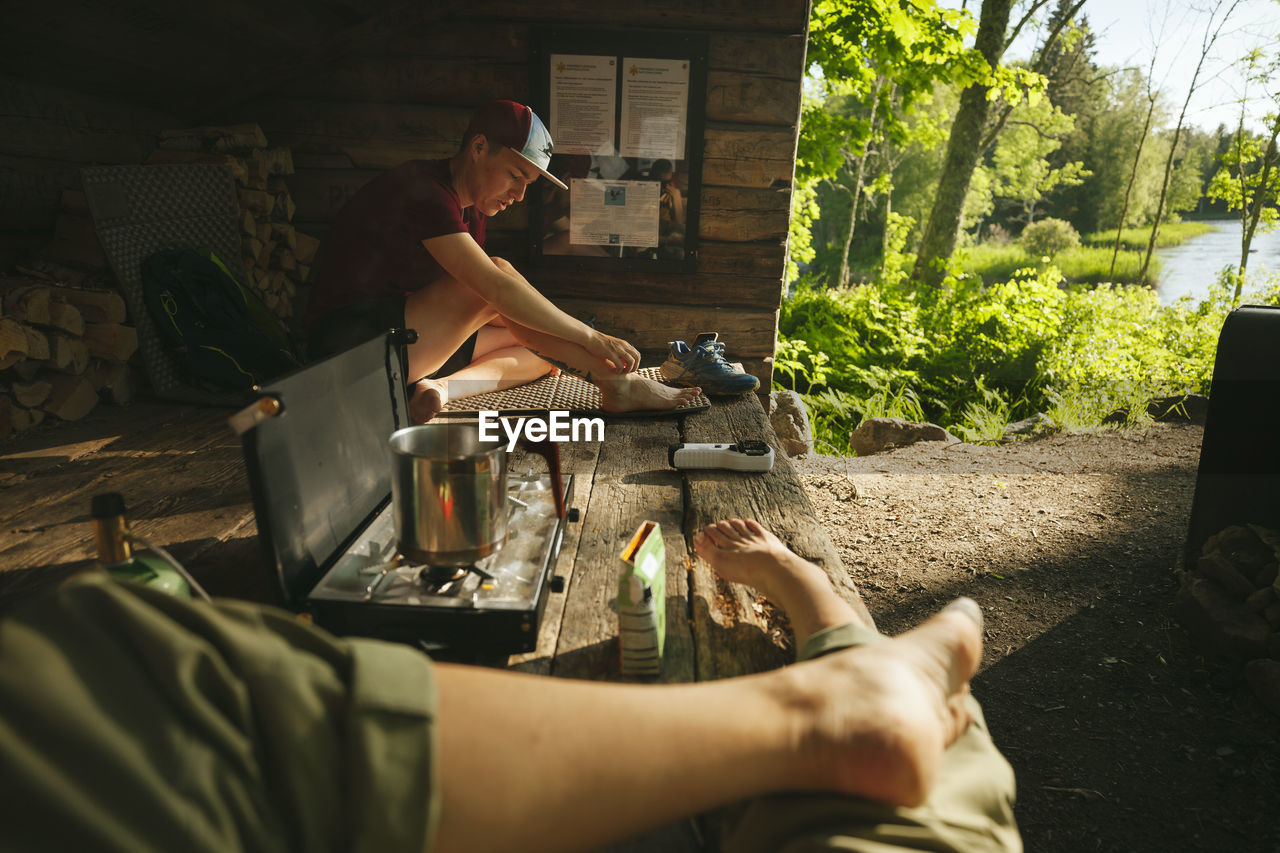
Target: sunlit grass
(1081, 265)
(1171, 234)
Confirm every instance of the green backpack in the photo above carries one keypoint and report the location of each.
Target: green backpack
(217, 330)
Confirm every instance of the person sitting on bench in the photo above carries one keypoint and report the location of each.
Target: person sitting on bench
(407, 250)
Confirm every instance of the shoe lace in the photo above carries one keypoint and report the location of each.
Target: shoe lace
(713, 351)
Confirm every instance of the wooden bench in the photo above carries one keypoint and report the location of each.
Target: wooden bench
(181, 472)
(714, 629)
(182, 475)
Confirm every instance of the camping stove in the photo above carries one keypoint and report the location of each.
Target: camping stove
(373, 590)
(319, 467)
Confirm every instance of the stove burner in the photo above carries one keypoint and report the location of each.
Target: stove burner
(433, 576)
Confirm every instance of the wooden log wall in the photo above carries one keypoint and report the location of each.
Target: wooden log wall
(46, 134)
(408, 88)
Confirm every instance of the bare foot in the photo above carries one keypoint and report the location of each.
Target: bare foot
(429, 398)
(633, 392)
(880, 716)
(742, 551)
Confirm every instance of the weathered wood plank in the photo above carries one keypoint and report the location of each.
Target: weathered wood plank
(50, 506)
(463, 82)
(748, 156)
(405, 33)
(752, 98)
(738, 215)
(787, 17)
(29, 191)
(723, 291)
(328, 127)
(732, 639)
(773, 54)
(578, 458)
(55, 124)
(633, 484)
(650, 327)
(767, 259)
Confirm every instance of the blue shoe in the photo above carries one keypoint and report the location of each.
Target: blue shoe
(703, 365)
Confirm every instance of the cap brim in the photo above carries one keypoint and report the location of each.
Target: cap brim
(550, 177)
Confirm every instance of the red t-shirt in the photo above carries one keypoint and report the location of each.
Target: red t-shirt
(374, 248)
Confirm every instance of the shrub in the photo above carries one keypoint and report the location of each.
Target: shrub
(1048, 237)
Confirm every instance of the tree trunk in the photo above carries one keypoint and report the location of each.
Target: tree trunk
(857, 186)
(1210, 36)
(943, 228)
(1259, 199)
(1133, 175)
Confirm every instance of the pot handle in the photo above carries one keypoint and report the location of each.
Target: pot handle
(549, 451)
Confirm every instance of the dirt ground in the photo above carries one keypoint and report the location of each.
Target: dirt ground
(1123, 737)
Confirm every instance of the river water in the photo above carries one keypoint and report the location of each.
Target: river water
(1189, 269)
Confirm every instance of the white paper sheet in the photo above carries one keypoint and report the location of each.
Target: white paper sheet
(614, 213)
(655, 99)
(583, 103)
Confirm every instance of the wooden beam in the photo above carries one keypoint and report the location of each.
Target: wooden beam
(744, 215)
(748, 334)
(752, 99)
(773, 54)
(737, 155)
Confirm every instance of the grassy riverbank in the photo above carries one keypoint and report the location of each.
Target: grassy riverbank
(974, 357)
(1089, 264)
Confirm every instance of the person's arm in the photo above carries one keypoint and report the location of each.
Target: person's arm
(513, 297)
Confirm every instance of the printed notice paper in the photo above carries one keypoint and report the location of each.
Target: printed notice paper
(655, 97)
(614, 213)
(583, 103)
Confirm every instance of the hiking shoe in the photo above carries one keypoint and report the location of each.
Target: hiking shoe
(703, 365)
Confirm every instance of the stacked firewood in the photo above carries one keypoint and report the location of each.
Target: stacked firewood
(1229, 602)
(276, 257)
(64, 345)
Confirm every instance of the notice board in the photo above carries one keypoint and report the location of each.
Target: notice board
(627, 112)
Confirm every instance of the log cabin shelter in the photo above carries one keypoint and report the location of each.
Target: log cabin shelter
(349, 89)
(307, 101)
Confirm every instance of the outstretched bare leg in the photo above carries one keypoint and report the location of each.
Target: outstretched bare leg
(871, 721)
(743, 552)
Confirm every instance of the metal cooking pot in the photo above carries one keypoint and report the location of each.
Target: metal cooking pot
(449, 492)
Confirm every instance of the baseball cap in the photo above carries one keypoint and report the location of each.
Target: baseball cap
(517, 127)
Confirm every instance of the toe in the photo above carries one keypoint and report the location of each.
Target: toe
(702, 544)
(729, 532)
(718, 539)
(740, 527)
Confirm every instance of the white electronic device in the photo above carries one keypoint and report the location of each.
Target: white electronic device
(743, 456)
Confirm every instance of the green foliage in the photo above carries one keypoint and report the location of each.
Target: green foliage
(802, 366)
(985, 418)
(1048, 237)
(1170, 234)
(1081, 265)
(1240, 183)
(975, 357)
(1020, 165)
(854, 43)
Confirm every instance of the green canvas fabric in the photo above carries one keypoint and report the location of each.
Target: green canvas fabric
(970, 809)
(133, 721)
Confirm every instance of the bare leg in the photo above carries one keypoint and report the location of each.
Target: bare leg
(871, 721)
(446, 312)
(742, 551)
(498, 363)
(625, 392)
